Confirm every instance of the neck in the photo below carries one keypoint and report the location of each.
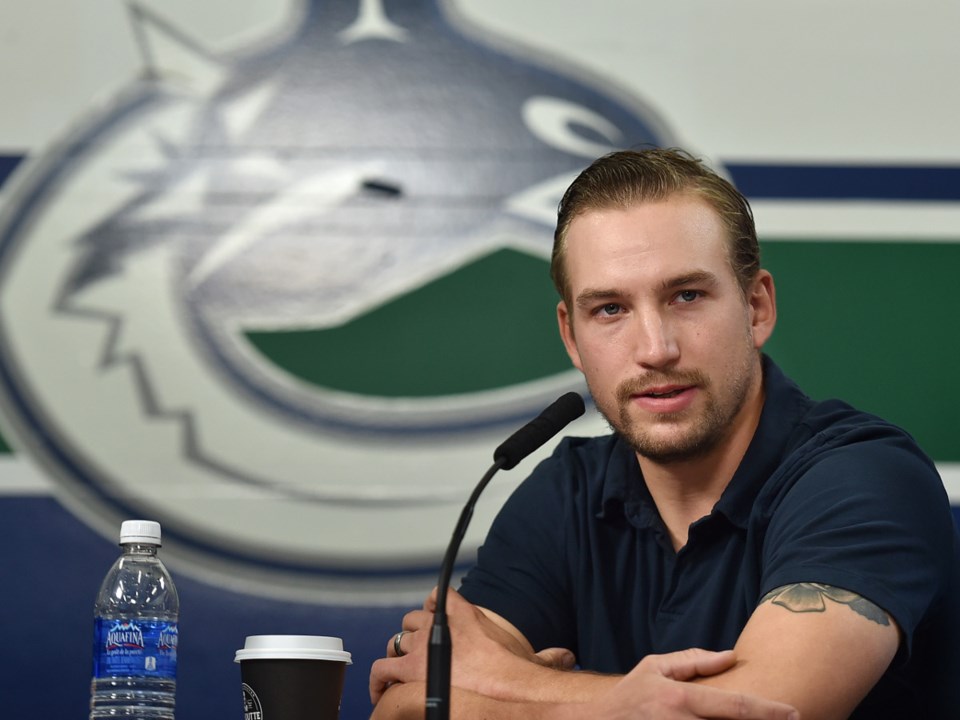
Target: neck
(687, 490)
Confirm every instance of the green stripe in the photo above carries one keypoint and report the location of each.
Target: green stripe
(485, 326)
(876, 324)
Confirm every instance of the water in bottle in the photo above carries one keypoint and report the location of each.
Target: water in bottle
(135, 635)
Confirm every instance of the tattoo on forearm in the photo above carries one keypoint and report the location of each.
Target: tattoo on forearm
(808, 597)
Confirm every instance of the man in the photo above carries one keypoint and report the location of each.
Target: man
(727, 510)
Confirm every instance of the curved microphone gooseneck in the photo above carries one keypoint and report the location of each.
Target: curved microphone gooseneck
(523, 442)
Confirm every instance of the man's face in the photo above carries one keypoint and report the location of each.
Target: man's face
(660, 326)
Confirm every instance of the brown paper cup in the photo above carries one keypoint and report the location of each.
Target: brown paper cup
(292, 677)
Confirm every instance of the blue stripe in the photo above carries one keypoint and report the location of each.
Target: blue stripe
(759, 181)
(8, 164)
(846, 182)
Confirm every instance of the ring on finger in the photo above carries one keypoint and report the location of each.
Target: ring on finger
(396, 643)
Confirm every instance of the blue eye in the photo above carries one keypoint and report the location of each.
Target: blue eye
(686, 296)
(608, 310)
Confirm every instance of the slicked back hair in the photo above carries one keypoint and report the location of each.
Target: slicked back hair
(630, 177)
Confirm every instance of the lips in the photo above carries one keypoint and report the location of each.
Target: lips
(664, 399)
(662, 394)
(665, 392)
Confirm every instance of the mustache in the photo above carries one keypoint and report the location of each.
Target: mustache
(643, 384)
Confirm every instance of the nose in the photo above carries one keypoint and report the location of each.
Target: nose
(655, 340)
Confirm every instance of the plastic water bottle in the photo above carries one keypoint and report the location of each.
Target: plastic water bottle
(135, 634)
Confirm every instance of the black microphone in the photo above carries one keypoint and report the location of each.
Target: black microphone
(536, 432)
(523, 442)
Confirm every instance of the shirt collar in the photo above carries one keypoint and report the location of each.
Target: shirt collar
(784, 405)
(623, 484)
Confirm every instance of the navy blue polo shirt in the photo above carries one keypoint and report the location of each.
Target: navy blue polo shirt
(579, 558)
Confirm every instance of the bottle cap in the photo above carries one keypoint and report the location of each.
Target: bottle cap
(145, 532)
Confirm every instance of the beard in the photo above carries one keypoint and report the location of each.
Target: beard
(694, 435)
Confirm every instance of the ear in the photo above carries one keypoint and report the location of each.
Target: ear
(762, 302)
(565, 323)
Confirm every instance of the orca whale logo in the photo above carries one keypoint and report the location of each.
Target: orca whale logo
(252, 295)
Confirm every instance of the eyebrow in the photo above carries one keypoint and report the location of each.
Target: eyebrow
(694, 277)
(590, 296)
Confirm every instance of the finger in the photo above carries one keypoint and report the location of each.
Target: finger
(416, 619)
(430, 604)
(387, 672)
(706, 701)
(687, 664)
(458, 604)
(402, 639)
(453, 599)
(557, 658)
(456, 599)
(380, 679)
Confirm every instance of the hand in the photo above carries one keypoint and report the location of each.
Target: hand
(658, 689)
(487, 658)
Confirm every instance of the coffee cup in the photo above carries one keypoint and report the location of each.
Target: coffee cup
(292, 677)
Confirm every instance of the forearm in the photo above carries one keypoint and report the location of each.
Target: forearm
(491, 658)
(544, 684)
(406, 702)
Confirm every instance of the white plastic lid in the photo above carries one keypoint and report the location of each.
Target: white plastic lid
(146, 532)
(293, 647)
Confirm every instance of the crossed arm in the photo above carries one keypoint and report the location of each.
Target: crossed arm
(816, 648)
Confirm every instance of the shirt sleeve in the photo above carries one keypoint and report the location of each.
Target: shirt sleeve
(866, 512)
(522, 569)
